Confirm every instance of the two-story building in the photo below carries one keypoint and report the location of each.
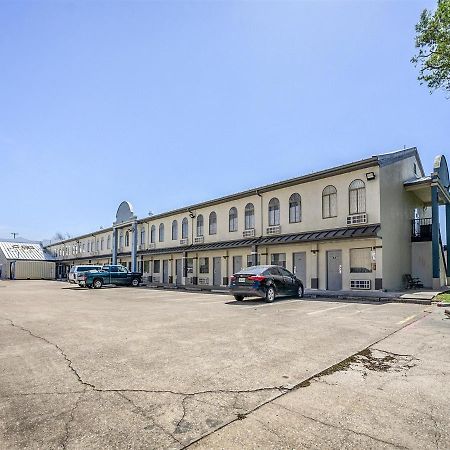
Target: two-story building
(362, 225)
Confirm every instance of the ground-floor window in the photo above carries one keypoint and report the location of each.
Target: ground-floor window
(204, 265)
(278, 259)
(237, 263)
(189, 265)
(156, 266)
(147, 266)
(360, 260)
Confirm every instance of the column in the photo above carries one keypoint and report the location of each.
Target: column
(447, 237)
(114, 246)
(435, 236)
(134, 241)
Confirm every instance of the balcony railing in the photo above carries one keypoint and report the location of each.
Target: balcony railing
(421, 230)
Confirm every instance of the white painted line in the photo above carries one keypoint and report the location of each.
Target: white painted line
(406, 320)
(328, 309)
(272, 304)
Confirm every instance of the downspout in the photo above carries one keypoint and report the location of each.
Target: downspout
(255, 249)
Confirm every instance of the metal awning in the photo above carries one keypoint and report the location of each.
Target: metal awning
(364, 231)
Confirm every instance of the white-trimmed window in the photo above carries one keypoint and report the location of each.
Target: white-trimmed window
(108, 243)
(143, 235)
(120, 241)
(102, 242)
(213, 223)
(161, 232)
(249, 216)
(360, 260)
(274, 212)
(357, 197)
(278, 259)
(233, 219)
(184, 228)
(127, 239)
(329, 202)
(153, 234)
(200, 225)
(203, 265)
(174, 230)
(295, 208)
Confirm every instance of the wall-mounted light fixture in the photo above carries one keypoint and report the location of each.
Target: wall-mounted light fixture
(370, 176)
(314, 251)
(191, 214)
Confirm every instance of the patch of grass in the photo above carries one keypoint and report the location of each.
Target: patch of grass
(444, 297)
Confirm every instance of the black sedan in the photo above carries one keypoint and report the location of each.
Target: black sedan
(265, 281)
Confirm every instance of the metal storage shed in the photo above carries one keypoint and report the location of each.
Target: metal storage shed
(25, 261)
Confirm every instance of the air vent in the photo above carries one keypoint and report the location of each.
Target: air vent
(360, 284)
(357, 219)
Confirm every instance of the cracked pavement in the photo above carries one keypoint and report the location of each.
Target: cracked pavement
(142, 368)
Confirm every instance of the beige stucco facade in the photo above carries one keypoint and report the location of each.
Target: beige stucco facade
(383, 231)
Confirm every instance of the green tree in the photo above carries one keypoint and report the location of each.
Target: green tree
(433, 43)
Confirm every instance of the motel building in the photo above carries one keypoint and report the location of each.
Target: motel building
(359, 226)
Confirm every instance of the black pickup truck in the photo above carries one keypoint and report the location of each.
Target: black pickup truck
(111, 274)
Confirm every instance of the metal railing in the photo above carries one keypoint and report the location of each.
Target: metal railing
(421, 230)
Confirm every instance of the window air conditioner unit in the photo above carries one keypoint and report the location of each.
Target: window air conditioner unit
(360, 284)
(199, 240)
(273, 230)
(248, 233)
(151, 245)
(203, 281)
(357, 219)
(184, 241)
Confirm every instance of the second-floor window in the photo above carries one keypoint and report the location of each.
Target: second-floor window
(357, 197)
(213, 223)
(184, 228)
(274, 212)
(153, 234)
(161, 232)
(329, 202)
(199, 225)
(102, 243)
(108, 243)
(295, 208)
(120, 241)
(174, 230)
(249, 216)
(127, 239)
(142, 235)
(233, 219)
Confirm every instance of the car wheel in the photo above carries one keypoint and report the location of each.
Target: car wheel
(300, 291)
(239, 298)
(270, 294)
(135, 282)
(98, 283)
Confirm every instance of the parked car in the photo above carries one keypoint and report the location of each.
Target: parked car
(110, 274)
(76, 271)
(267, 282)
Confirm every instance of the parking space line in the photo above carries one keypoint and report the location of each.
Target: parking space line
(328, 309)
(406, 320)
(272, 304)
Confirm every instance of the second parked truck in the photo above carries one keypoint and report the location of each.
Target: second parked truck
(111, 274)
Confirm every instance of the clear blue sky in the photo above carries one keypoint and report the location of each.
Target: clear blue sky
(170, 103)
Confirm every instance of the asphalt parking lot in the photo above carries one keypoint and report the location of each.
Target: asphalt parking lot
(145, 368)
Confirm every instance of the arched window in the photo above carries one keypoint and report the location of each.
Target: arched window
(161, 232)
(127, 239)
(233, 219)
(88, 246)
(213, 223)
(108, 243)
(120, 241)
(357, 197)
(184, 228)
(84, 248)
(97, 245)
(329, 202)
(295, 208)
(274, 212)
(153, 234)
(174, 230)
(249, 216)
(143, 235)
(102, 241)
(199, 225)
